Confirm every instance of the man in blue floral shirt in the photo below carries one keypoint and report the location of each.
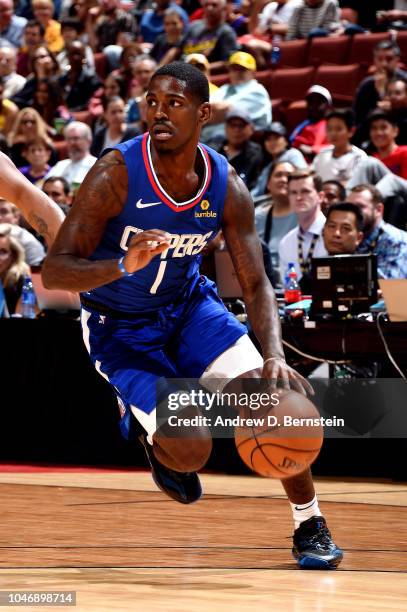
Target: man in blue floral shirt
(388, 242)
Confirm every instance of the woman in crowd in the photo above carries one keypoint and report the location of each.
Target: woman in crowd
(28, 126)
(167, 46)
(45, 66)
(13, 267)
(116, 129)
(49, 102)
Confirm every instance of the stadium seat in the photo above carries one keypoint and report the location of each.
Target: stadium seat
(402, 43)
(341, 81)
(83, 116)
(294, 114)
(61, 148)
(362, 45)
(293, 53)
(329, 50)
(219, 79)
(291, 84)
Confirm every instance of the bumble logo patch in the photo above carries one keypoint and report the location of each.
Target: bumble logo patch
(204, 212)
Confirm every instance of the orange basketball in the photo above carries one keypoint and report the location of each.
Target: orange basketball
(282, 440)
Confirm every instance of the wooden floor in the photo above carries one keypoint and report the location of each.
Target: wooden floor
(123, 546)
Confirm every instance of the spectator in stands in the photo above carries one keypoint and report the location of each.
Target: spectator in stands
(11, 26)
(383, 133)
(45, 66)
(243, 155)
(13, 267)
(8, 111)
(143, 69)
(37, 153)
(211, 35)
(114, 85)
(237, 16)
(388, 242)
(115, 129)
(201, 62)
(268, 25)
(273, 215)
(305, 241)
(13, 82)
(338, 161)
(80, 83)
(130, 55)
(394, 18)
(103, 25)
(333, 192)
(396, 103)
(372, 89)
(43, 11)
(313, 18)
(78, 138)
(310, 136)
(152, 20)
(277, 149)
(58, 189)
(244, 92)
(33, 38)
(33, 249)
(28, 125)
(343, 230)
(168, 45)
(49, 102)
(71, 30)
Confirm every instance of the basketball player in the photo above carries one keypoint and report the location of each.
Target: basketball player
(147, 313)
(38, 209)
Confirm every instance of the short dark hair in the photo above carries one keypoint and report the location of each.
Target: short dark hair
(344, 114)
(33, 23)
(379, 114)
(396, 79)
(303, 173)
(386, 45)
(341, 188)
(73, 23)
(347, 207)
(61, 179)
(37, 141)
(109, 100)
(195, 80)
(377, 197)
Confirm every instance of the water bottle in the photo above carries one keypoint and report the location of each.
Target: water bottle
(292, 291)
(28, 299)
(275, 55)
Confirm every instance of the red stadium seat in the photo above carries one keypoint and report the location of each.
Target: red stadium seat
(341, 81)
(333, 50)
(219, 79)
(61, 148)
(264, 77)
(402, 43)
(362, 45)
(84, 116)
(291, 84)
(293, 53)
(294, 114)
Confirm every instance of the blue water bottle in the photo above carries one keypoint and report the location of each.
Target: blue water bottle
(275, 55)
(28, 299)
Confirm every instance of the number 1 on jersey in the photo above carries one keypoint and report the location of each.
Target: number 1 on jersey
(159, 277)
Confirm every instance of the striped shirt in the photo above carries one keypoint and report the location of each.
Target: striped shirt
(304, 19)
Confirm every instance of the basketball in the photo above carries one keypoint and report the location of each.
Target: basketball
(280, 441)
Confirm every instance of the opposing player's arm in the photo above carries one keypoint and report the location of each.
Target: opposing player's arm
(38, 209)
(101, 197)
(262, 309)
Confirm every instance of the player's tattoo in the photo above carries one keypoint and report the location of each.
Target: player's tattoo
(245, 249)
(40, 225)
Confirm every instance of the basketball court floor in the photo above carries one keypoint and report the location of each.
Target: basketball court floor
(122, 545)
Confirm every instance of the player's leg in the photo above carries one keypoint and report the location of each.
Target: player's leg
(122, 355)
(313, 546)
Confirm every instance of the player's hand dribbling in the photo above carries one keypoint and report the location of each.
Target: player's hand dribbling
(279, 372)
(143, 247)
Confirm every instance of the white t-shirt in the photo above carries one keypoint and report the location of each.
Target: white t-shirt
(275, 13)
(73, 172)
(337, 168)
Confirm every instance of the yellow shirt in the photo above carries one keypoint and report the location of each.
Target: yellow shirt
(53, 37)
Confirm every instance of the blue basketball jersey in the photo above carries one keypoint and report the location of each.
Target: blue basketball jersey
(192, 224)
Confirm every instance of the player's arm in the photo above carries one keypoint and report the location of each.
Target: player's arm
(261, 304)
(101, 197)
(38, 209)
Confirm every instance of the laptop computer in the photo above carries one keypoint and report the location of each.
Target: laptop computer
(394, 294)
(226, 277)
(343, 285)
(53, 299)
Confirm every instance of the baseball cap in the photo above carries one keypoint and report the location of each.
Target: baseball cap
(197, 58)
(275, 127)
(238, 113)
(241, 58)
(322, 91)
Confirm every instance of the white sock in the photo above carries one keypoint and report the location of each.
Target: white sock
(303, 512)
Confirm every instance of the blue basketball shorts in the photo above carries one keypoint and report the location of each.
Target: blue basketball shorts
(179, 341)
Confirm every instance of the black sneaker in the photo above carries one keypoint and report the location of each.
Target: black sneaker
(313, 546)
(184, 487)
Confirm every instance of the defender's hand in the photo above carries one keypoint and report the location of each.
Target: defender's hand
(143, 247)
(277, 370)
